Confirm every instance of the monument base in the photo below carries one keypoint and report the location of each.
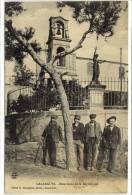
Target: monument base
(96, 96)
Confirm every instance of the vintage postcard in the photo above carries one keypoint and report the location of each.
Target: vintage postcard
(66, 96)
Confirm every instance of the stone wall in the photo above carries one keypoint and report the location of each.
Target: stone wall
(31, 152)
(31, 126)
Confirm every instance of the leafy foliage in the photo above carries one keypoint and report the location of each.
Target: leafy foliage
(13, 8)
(23, 76)
(13, 49)
(101, 16)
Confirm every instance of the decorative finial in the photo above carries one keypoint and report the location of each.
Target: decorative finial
(60, 7)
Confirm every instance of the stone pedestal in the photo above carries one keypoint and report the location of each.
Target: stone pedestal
(96, 96)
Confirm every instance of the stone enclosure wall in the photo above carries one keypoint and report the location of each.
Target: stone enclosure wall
(29, 127)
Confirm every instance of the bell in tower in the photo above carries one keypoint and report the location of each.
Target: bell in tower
(58, 30)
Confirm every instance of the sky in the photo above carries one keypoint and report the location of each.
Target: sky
(37, 15)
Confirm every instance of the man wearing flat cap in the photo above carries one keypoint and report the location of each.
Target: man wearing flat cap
(111, 139)
(92, 136)
(51, 136)
(78, 138)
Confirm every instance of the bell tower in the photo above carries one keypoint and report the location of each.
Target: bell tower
(59, 41)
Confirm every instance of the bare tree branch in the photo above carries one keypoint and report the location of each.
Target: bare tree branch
(49, 67)
(78, 46)
(34, 55)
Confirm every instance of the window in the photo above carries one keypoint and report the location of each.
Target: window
(61, 60)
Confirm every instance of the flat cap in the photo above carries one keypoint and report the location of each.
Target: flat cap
(54, 117)
(77, 117)
(92, 116)
(112, 117)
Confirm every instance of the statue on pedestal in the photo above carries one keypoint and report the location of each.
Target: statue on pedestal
(96, 69)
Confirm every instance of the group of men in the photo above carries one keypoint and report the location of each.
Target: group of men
(90, 143)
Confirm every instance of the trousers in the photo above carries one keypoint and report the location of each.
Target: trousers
(51, 149)
(111, 158)
(90, 152)
(78, 146)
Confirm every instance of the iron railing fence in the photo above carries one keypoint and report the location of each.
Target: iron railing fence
(44, 97)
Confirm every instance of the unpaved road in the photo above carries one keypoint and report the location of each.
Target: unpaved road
(32, 178)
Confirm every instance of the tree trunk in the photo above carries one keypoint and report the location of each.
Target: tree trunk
(70, 153)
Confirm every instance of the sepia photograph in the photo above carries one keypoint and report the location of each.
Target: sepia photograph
(66, 96)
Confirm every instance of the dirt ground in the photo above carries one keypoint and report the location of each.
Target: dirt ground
(36, 178)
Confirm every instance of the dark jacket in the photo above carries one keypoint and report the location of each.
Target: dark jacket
(111, 138)
(97, 131)
(53, 131)
(78, 132)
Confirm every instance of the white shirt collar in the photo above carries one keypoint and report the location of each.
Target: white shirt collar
(111, 128)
